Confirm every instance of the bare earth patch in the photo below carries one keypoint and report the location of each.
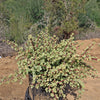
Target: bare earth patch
(15, 91)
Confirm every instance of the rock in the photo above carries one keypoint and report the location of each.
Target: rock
(5, 50)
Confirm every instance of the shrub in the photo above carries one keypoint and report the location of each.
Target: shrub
(19, 15)
(63, 16)
(92, 11)
(53, 65)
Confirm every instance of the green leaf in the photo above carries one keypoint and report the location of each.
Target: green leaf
(52, 95)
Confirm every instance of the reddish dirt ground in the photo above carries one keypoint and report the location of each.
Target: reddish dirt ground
(15, 91)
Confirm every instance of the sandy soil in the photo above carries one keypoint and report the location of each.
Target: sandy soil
(15, 91)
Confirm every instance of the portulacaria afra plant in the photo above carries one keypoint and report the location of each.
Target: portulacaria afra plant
(54, 65)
